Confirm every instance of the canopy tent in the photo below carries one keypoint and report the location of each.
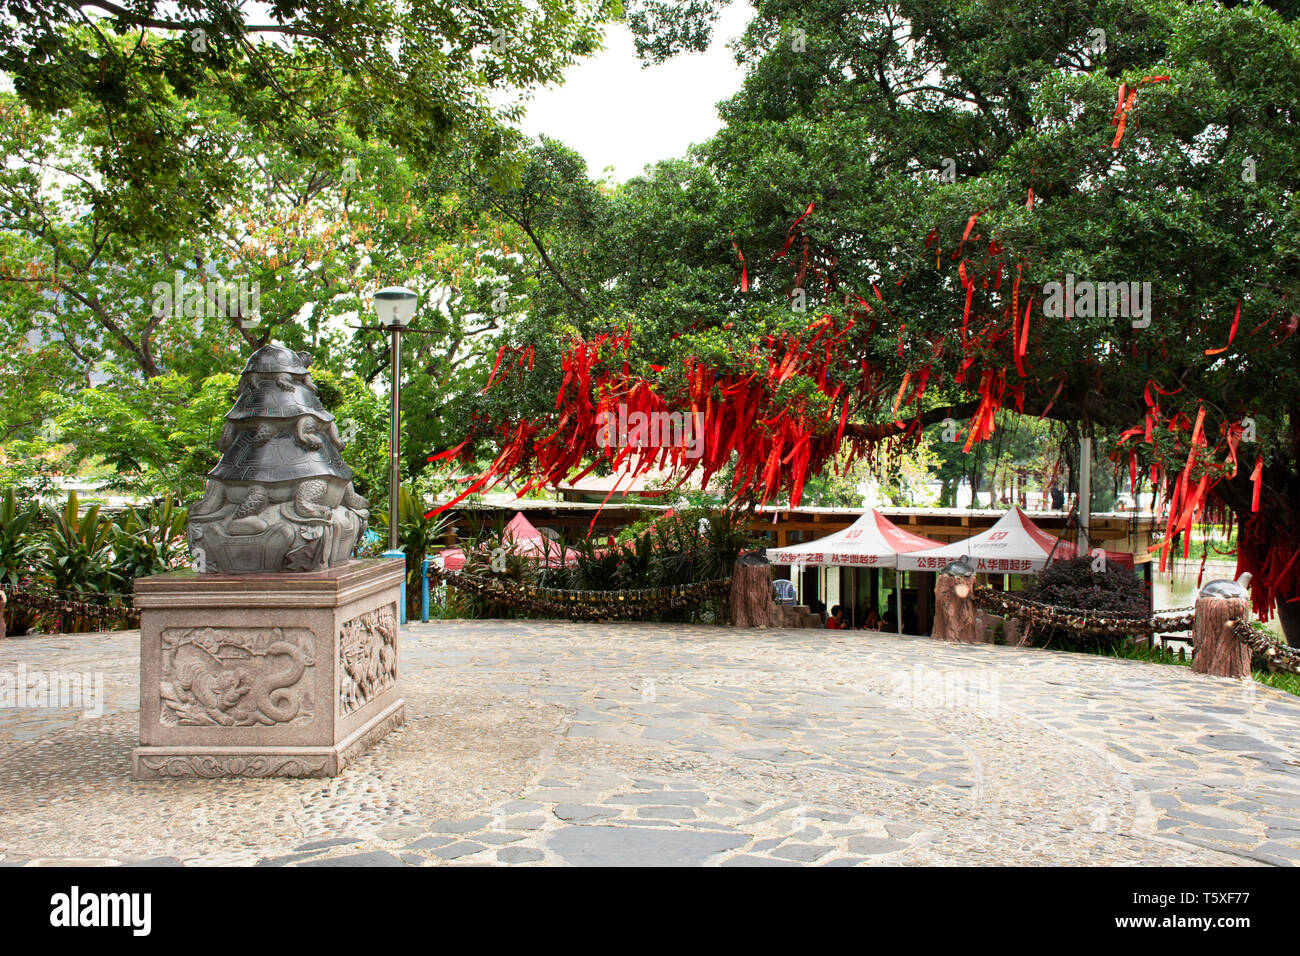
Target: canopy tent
(1014, 545)
(526, 541)
(872, 541)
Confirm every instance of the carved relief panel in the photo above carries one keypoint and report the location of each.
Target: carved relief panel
(367, 665)
(235, 676)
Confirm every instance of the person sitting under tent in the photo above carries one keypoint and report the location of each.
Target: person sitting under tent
(836, 621)
(872, 621)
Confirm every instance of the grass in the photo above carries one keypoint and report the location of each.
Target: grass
(1282, 680)
(1132, 651)
(1203, 534)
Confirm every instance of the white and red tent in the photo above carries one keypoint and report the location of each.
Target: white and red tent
(523, 539)
(1014, 545)
(873, 541)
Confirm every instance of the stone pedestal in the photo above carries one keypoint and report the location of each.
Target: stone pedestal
(266, 675)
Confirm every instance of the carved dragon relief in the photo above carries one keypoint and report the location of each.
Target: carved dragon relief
(367, 664)
(235, 676)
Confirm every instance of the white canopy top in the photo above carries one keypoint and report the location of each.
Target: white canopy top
(871, 541)
(1014, 545)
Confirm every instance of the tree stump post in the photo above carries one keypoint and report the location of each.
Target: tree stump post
(1215, 649)
(750, 602)
(954, 611)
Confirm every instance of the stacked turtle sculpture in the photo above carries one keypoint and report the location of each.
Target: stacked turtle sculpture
(281, 498)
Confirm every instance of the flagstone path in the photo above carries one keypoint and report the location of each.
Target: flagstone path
(550, 743)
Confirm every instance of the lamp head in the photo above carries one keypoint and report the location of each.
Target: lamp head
(395, 307)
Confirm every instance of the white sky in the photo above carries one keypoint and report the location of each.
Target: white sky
(618, 115)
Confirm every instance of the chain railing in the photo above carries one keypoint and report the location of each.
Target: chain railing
(1083, 620)
(582, 605)
(97, 607)
(1277, 657)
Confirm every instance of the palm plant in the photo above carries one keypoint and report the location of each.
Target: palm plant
(417, 535)
(16, 545)
(148, 542)
(17, 550)
(76, 553)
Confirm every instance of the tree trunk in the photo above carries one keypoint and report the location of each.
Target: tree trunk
(1288, 615)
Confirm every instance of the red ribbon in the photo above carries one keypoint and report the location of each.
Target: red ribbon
(744, 270)
(1232, 332)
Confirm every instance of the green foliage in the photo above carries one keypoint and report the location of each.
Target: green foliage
(160, 435)
(688, 546)
(75, 552)
(149, 542)
(145, 157)
(418, 75)
(61, 549)
(1011, 97)
(362, 418)
(1022, 446)
(16, 546)
(18, 525)
(417, 535)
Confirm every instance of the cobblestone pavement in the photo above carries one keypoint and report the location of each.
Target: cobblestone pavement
(555, 743)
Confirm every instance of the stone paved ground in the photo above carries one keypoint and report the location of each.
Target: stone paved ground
(555, 743)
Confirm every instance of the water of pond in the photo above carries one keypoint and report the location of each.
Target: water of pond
(1178, 588)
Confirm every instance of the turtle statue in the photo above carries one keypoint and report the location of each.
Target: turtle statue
(281, 498)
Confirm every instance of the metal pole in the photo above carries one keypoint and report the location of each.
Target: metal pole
(898, 597)
(424, 590)
(853, 593)
(394, 468)
(1085, 496)
(394, 442)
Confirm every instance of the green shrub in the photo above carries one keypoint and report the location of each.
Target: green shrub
(148, 542)
(1074, 584)
(686, 547)
(17, 551)
(16, 544)
(75, 552)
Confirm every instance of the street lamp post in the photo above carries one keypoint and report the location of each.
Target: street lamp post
(395, 307)
(1084, 507)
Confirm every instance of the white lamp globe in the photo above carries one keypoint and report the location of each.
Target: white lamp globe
(395, 306)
